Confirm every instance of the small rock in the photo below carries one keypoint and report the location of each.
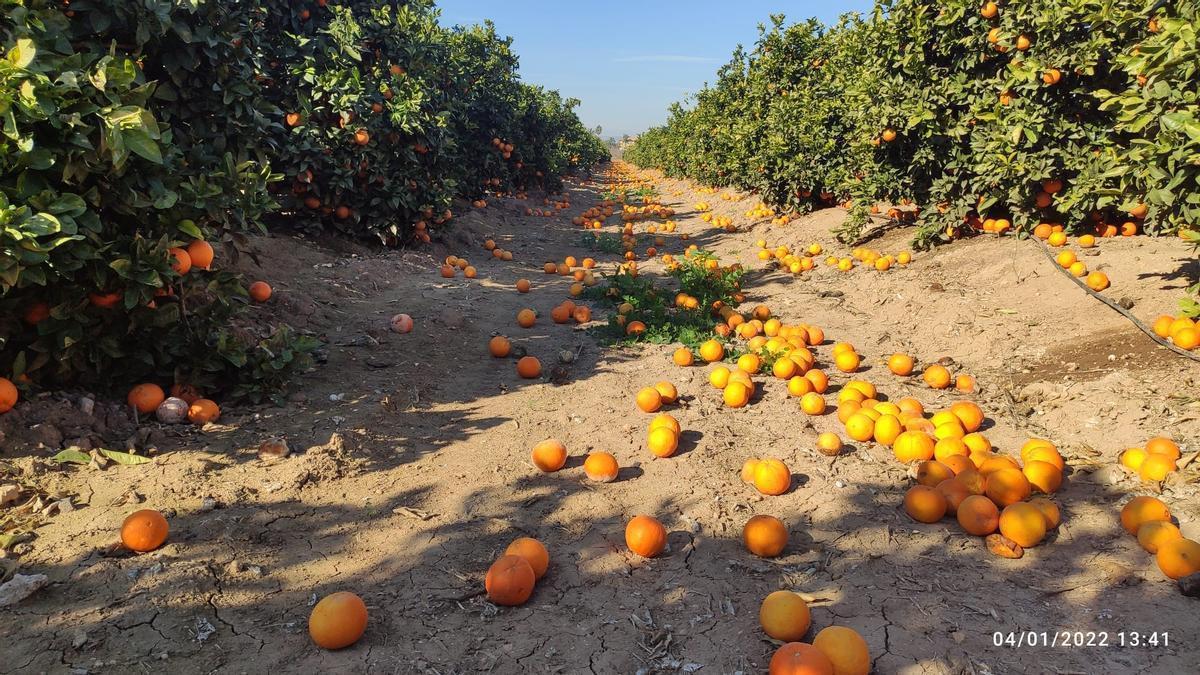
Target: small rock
(1190, 585)
(79, 639)
(336, 397)
(9, 494)
(1126, 302)
(566, 356)
(87, 404)
(21, 586)
(207, 504)
(1108, 475)
(273, 448)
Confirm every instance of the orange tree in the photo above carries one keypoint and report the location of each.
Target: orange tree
(105, 177)
(131, 131)
(385, 117)
(1079, 112)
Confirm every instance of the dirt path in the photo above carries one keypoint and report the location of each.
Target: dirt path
(410, 473)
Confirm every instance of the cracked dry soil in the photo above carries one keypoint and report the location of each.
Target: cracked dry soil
(407, 483)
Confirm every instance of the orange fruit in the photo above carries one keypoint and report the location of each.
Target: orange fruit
(601, 467)
(799, 385)
(666, 392)
(645, 536)
(748, 469)
(526, 318)
(1048, 455)
(937, 376)
(260, 291)
(499, 346)
(924, 504)
(819, 380)
(829, 443)
(1043, 476)
(950, 447)
(549, 455)
(913, 446)
(144, 530)
(201, 254)
(751, 363)
(529, 367)
(931, 472)
(534, 553)
(145, 398)
(772, 477)
(202, 411)
(338, 620)
(737, 395)
(954, 491)
(510, 581)
(957, 463)
(845, 649)
(978, 515)
(1097, 281)
(765, 536)
(847, 361)
(1179, 558)
(812, 403)
(786, 369)
(1049, 511)
(1007, 486)
(1023, 523)
(523, 285)
(969, 414)
(887, 429)
(1141, 510)
(9, 395)
(1153, 534)
(784, 615)
(799, 658)
(860, 427)
(719, 377)
(683, 357)
(181, 262)
(1161, 445)
(665, 420)
(901, 364)
(662, 441)
(1156, 467)
(711, 351)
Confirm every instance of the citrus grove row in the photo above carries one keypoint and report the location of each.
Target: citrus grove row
(1006, 497)
(966, 117)
(143, 141)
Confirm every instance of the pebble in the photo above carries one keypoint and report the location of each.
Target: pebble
(9, 494)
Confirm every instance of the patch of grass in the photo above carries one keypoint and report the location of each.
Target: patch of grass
(654, 305)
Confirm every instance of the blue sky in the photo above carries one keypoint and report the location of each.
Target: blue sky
(627, 61)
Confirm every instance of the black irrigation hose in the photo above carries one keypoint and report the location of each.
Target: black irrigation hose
(1124, 312)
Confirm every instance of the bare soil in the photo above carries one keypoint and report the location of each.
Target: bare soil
(410, 472)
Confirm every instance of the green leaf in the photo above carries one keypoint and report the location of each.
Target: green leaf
(125, 458)
(141, 144)
(72, 455)
(21, 55)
